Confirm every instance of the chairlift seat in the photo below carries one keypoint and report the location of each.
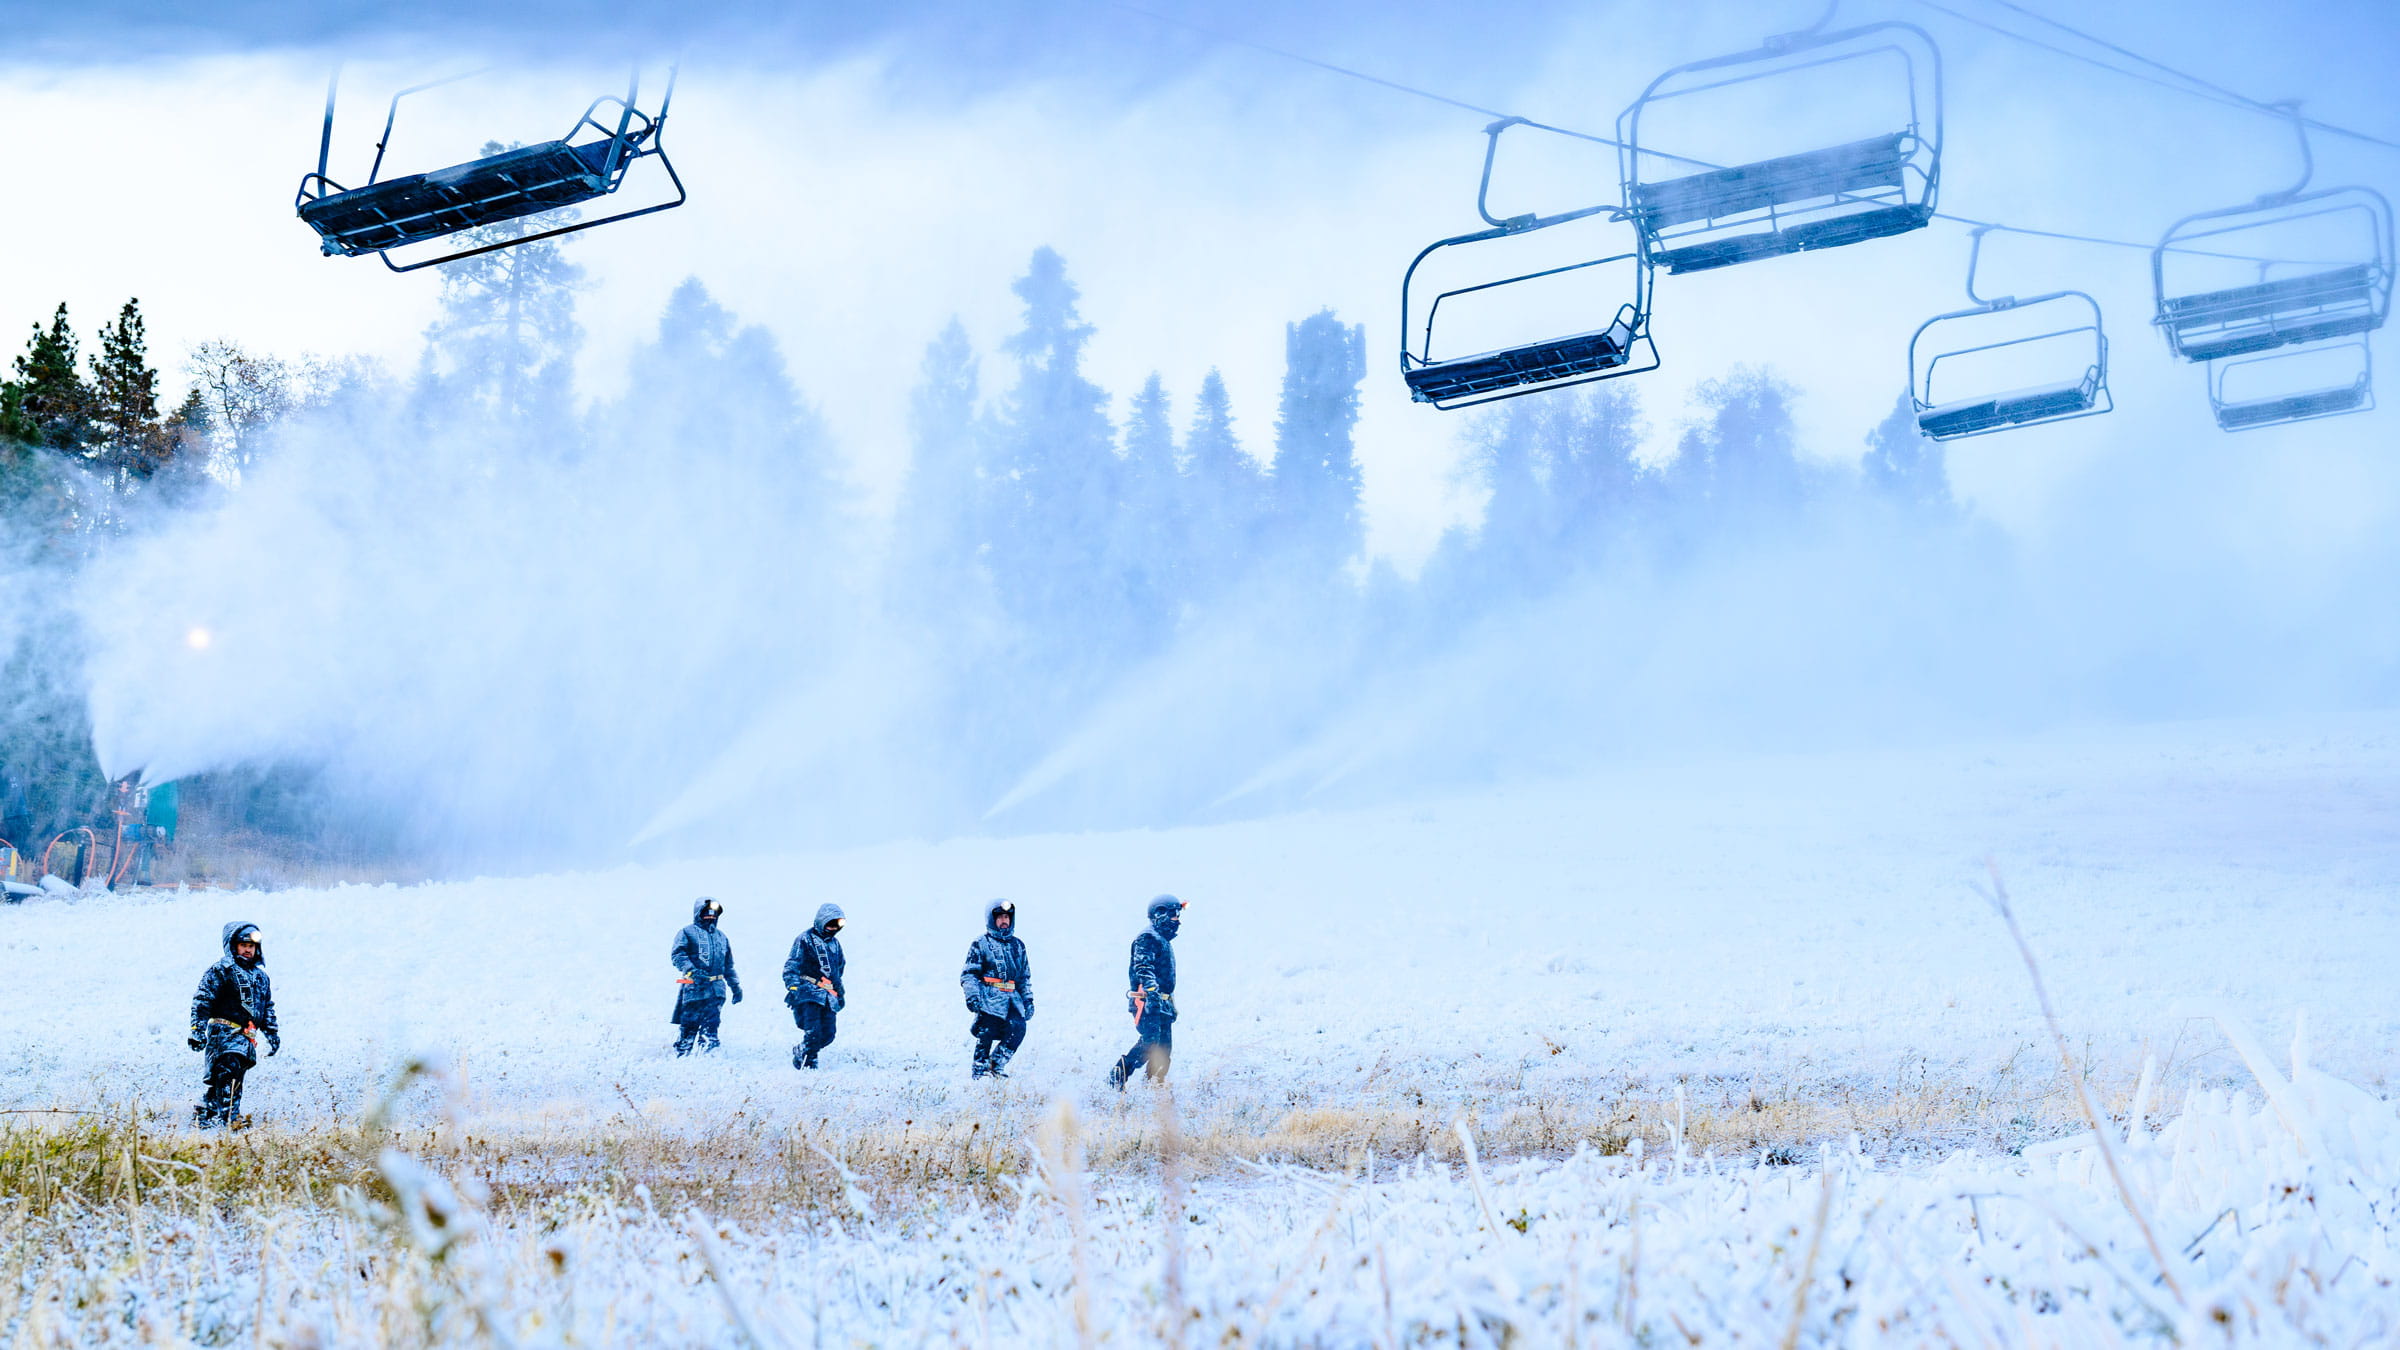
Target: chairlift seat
(2292, 407)
(425, 206)
(1854, 228)
(1537, 363)
(2260, 317)
(2017, 407)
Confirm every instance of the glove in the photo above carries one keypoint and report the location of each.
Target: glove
(193, 1041)
(274, 1043)
(737, 993)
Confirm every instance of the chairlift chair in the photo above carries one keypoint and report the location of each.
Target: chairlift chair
(2244, 410)
(2084, 393)
(1620, 346)
(2292, 302)
(1826, 198)
(392, 213)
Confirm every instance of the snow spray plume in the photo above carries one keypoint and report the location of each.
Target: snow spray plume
(505, 632)
(512, 633)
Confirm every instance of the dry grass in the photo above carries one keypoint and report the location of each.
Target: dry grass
(121, 1228)
(749, 1165)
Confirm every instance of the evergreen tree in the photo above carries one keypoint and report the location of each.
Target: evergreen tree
(1904, 465)
(187, 433)
(48, 403)
(1225, 491)
(1596, 485)
(936, 532)
(1148, 535)
(1055, 482)
(709, 379)
(1506, 449)
(1740, 463)
(129, 442)
(507, 336)
(1316, 483)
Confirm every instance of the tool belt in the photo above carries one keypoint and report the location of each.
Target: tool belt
(250, 1030)
(1004, 986)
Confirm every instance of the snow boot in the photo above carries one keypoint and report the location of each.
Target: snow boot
(1117, 1075)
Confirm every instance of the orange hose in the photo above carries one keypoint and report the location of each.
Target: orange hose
(120, 860)
(92, 841)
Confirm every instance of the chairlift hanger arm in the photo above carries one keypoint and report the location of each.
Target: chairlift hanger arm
(333, 84)
(1518, 224)
(393, 114)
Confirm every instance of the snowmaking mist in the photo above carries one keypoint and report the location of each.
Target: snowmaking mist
(664, 620)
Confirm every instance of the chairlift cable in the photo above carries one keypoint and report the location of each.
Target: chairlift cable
(2228, 100)
(2217, 92)
(1571, 132)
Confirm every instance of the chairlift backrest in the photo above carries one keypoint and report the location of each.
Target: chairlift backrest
(393, 213)
(1614, 340)
(1704, 215)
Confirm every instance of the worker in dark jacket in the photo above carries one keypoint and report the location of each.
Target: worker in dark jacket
(812, 983)
(232, 1013)
(999, 988)
(703, 960)
(1151, 973)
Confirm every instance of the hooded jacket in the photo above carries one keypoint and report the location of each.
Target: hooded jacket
(702, 955)
(233, 992)
(1151, 968)
(816, 955)
(997, 956)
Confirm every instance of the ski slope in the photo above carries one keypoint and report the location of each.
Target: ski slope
(1796, 921)
(1798, 930)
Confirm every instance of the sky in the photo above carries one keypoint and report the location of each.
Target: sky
(858, 179)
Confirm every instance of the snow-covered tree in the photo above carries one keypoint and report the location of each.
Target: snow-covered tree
(1316, 481)
(507, 336)
(1905, 466)
(1224, 489)
(1054, 487)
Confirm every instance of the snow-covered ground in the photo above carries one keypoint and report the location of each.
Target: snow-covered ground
(1780, 921)
(1798, 930)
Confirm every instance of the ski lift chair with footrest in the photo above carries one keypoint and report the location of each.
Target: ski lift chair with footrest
(2083, 393)
(393, 213)
(1619, 346)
